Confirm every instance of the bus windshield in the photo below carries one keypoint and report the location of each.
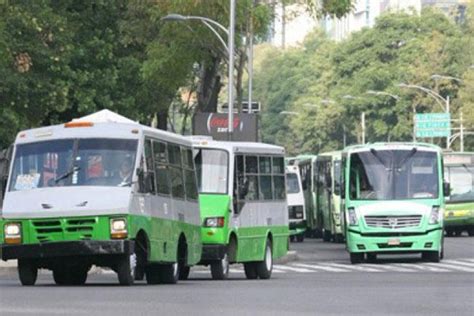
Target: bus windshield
(292, 185)
(461, 180)
(73, 162)
(212, 168)
(393, 175)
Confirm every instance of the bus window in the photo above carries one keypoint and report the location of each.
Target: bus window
(161, 168)
(176, 171)
(150, 168)
(278, 168)
(265, 177)
(251, 178)
(189, 175)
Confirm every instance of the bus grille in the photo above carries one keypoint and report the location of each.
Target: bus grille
(64, 229)
(393, 222)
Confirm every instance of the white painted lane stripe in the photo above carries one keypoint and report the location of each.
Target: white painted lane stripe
(390, 267)
(291, 268)
(359, 267)
(422, 267)
(449, 266)
(470, 260)
(320, 267)
(457, 262)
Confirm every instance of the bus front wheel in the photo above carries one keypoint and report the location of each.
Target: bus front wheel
(126, 269)
(27, 271)
(265, 267)
(356, 257)
(220, 269)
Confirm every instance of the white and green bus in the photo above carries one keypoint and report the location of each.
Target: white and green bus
(393, 199)
(94, 192)
(244, 213)
(296, 207)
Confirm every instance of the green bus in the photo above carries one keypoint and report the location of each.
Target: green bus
(459, 213)
(99, 192)
(327, 172)
(393, 200)
(244, 213)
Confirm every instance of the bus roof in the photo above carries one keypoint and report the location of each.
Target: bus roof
(96, 129)
(392, 145)
(240, 147)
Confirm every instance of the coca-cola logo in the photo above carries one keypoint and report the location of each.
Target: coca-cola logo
(221, 123)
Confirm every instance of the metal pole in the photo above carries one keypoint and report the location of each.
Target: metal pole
(250, 72)
(414, 124)
(447, 111)
(230, 101)
(363, 127)
(462, 134)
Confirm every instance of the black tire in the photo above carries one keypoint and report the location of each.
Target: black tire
(458, 232)
(220, 269)
(265, 267)
(126, 269)
(431, 256)
(169, 273)
(73, 276)
(449, 232)
(356, 257)
(292, 238)
(152, 273)
(184, 272)
(327, 235)
(250, 269)
(371, 257)
(300, 237)
(338, 238)
(470, 231)
(27, 272)
(60, 276)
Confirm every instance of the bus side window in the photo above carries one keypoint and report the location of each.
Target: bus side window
(240, 189)
(265, 178)
(278, 178)
(251, 177)
(147, 183)
(190, 184)
(161, 168)
(176, 171)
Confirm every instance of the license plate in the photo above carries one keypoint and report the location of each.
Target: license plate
(393, 242)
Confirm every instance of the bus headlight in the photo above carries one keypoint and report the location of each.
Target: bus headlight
(214, 222)
(118, 228)
(434, 216)
(12, 233)
(352, 217)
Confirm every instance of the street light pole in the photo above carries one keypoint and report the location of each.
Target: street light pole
(230, 116)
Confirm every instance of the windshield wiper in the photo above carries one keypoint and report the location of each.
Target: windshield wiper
(67, 174)
(376, 155)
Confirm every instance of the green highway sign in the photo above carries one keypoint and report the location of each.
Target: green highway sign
(433, 125)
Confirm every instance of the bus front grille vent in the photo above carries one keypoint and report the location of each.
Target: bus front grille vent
(393, 222)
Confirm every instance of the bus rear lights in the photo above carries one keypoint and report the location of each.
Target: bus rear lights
(118, 228)
(214, 222)
(352, 216)
(78, 124)
(12, 233)
(434, 216)
(428, 244)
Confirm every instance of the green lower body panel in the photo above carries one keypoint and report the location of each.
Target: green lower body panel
(252, 240)
(429, 241)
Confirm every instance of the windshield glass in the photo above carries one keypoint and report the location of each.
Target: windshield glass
(393, 175)
(69, 162)
(212, 170)
(461, 181)
(292, 185)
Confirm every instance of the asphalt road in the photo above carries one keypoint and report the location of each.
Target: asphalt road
(321, 281)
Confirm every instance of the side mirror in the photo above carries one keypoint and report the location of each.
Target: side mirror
(446, 189)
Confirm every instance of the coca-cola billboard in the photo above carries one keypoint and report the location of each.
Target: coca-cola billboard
(216, 125)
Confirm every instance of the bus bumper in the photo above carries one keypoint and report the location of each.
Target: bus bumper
(212, 252)
(66, 249)
(418, 242)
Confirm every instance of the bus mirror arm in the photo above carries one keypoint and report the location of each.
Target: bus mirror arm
(446, 189)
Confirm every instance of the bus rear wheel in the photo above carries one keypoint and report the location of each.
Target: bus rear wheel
(169, 273)
(184, 272)
(73, 276)
(250, 269)
(265, 267)
(356, 257)
(220, 269)
(27, 272)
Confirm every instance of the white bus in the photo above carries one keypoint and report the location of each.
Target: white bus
(94, 192)
(296, 207)
(244, 213)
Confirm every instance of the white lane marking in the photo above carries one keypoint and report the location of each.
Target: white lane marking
(470, 260)
(275, 270)
(449, 266)
(422, 267)
(390, 267)
(359, 267)
(457, 262)
(235, 270)
(320, 267)
(292, 268)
